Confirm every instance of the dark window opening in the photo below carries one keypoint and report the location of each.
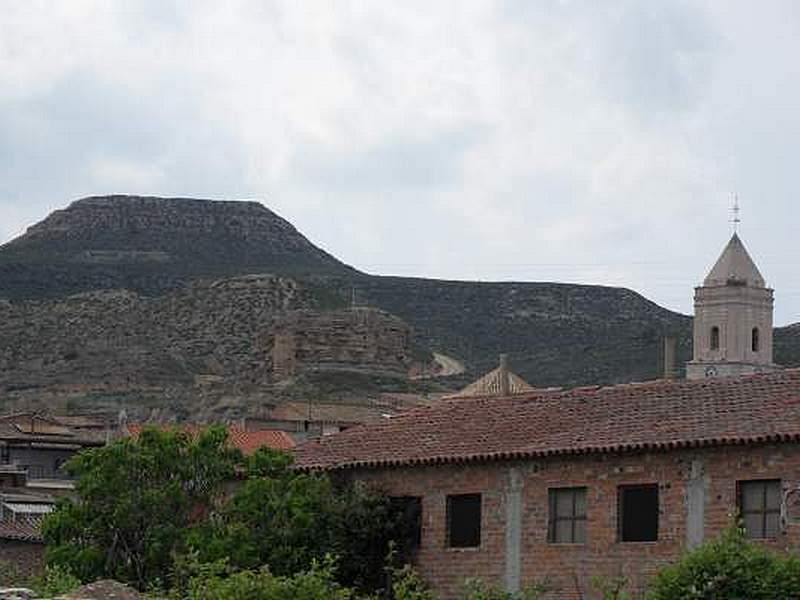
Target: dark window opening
(756, 340)
(464, 521)
(760, 507)
(715, 338)
(408, 512)
(638, 513)
(567, 522)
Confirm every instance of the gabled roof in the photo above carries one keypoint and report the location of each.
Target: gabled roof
(490, 384)
(246, 441)
(32, 427)
(649, 416)
(735, 265)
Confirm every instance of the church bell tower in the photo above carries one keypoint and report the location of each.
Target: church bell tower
(732, 318)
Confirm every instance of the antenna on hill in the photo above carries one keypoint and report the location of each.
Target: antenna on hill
(736, 211)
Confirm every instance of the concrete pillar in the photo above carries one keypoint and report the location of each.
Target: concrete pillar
(696, 486)
(505, 379)
(513, 503)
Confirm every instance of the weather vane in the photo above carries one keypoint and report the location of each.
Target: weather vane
(736, 210)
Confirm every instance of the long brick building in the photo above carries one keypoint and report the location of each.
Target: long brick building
(568, 485)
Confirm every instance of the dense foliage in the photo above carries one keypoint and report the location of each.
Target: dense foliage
(730, 568)
(287, 520)
(135, 501)
(143, 504)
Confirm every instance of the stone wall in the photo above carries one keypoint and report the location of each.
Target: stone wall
(360, 339)
(697, 501)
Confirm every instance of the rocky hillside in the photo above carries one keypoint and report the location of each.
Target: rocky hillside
(160, 250)
(554, 334)
(207, 348)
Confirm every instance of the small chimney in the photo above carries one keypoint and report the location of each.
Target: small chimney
(670, 352)
(503, 376)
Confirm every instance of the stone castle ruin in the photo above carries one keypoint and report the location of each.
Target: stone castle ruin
(360, 339)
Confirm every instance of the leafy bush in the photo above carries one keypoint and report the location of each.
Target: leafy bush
(729, 568)
(476, 589)
(408, 585)
(54, 581)
(317, 583)
(287, 519)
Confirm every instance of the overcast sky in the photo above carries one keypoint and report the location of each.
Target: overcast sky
(596, 142)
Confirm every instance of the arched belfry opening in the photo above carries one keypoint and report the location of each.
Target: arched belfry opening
(732, 318)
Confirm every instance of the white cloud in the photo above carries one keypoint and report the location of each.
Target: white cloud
(496, 140)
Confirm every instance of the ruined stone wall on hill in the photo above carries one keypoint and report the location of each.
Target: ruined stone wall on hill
(361, 339)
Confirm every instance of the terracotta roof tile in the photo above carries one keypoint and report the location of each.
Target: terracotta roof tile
(654, 415)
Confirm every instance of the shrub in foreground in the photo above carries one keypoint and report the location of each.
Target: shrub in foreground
(730, 568)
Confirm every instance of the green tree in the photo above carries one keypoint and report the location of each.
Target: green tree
(134, 502)
(729, 568)
(287, 519)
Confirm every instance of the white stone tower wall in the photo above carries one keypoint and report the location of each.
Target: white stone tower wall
(735, 299)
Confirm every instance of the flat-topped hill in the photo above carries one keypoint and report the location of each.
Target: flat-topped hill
(152, 245)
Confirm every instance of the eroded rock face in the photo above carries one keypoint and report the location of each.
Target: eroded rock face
(121, 340)
(209, 346)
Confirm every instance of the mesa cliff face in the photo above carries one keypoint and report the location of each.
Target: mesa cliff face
(154, 245)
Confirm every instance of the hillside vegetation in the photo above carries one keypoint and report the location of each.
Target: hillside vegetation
(165, 252)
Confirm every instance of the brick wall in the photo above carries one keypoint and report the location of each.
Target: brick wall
(695, 486)
(24, 558)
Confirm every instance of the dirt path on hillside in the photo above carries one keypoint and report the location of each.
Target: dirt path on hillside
(449, 366)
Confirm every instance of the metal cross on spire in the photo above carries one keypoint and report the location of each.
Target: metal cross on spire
(736, 211)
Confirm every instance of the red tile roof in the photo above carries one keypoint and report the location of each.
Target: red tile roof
(250, 441)
(649, 416)
(246, 441)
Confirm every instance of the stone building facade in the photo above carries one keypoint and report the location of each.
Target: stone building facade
(565, 486)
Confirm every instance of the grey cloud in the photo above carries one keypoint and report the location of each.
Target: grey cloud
(428, 161)
(49, 142)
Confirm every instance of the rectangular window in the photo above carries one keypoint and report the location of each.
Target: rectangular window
(408, 511)
(567, 521)
(760, 507)
(464, 521)
(637, 513)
